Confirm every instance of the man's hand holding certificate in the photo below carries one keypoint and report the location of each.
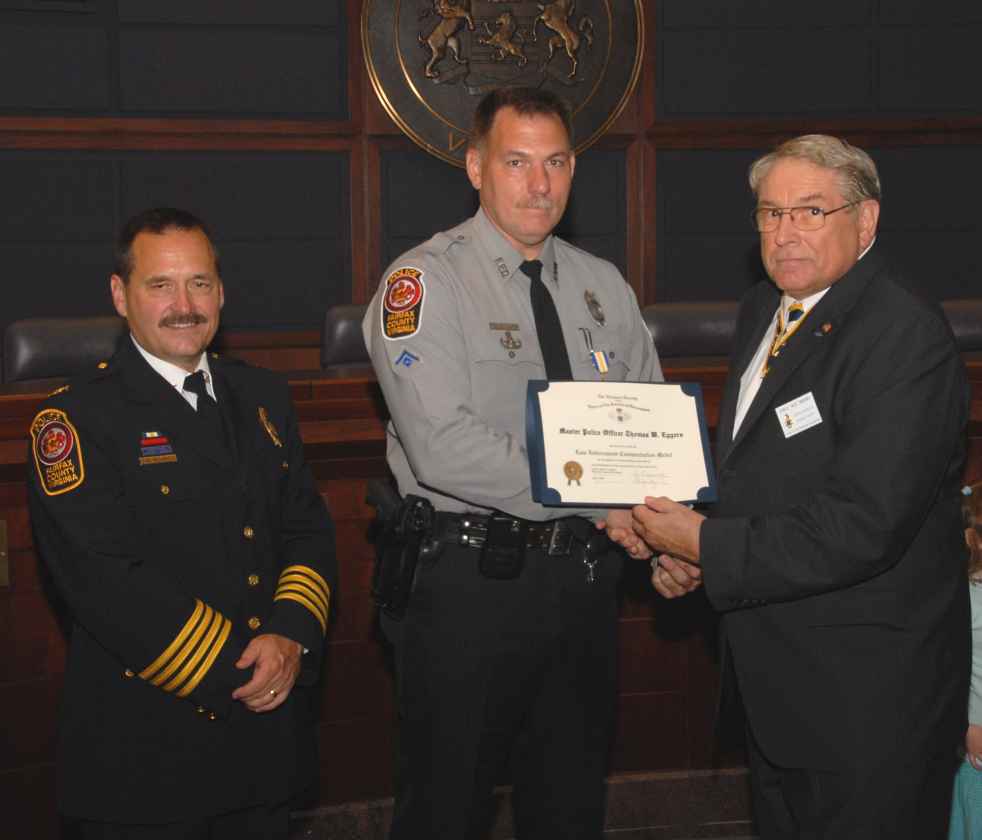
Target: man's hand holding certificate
(663, 526)
(611, 444)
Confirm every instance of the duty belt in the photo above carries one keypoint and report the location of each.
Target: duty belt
(556, 538)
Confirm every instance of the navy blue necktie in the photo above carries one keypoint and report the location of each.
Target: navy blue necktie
(208, 412)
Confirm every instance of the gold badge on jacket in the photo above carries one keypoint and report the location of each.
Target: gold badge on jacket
(269, 427)
(57, 452)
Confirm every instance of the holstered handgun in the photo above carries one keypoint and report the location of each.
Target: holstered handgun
(401, 533)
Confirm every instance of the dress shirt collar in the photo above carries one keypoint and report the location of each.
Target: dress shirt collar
(811, 300)
(175, 375)
(807, 303)
(503, 252)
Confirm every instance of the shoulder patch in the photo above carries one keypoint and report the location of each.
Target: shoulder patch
(57, 452)
(402, 303)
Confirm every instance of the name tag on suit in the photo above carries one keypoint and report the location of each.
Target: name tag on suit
(798, 415)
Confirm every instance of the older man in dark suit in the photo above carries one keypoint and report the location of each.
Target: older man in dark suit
(835, 553)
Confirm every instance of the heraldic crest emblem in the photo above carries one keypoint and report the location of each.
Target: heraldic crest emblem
(431, 60)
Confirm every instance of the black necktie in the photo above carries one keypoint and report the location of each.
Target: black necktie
(208, 412)
(547, 325)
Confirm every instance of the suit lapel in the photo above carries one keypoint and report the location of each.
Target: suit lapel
(821, 326)
(805, 341)
(746, 346)
(176, 417)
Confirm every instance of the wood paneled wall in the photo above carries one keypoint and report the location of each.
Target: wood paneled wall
(262, 119)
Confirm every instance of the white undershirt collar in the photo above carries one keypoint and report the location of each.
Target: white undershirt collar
(175, 375)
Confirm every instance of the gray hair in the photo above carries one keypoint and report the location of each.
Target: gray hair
(858, 178)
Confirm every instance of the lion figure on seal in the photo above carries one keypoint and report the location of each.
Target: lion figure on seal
(502, 40)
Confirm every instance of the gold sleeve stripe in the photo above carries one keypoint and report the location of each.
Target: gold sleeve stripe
(192, 662)
(178, 642)
(313, 575)
(186, 649)
(298, 580)
(313, 584)
(209, 660)
(300, 599)
(314, 603)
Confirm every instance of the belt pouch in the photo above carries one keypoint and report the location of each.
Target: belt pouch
(503, 552)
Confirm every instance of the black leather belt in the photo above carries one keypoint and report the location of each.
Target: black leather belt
(556, 538)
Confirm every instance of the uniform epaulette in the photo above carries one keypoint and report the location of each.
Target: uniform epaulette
(98, 373)
(102, 370)
(442, 242)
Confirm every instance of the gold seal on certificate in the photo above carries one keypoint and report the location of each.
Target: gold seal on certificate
(574, 471)
(608, 444)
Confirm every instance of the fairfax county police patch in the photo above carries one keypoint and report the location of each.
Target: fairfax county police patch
(57, 452)
(402, 304)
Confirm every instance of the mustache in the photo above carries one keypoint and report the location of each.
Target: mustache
(191, 319)
(540, 202)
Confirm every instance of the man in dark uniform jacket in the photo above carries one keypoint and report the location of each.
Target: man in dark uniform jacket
(197, 558)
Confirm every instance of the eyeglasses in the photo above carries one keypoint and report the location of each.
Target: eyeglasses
(767, 219)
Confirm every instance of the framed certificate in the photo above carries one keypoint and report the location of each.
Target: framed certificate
(610, 444)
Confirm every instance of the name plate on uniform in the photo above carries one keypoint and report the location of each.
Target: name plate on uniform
(610, 444)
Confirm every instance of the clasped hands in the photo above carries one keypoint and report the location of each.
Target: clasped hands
(275, 661)
(664, 528)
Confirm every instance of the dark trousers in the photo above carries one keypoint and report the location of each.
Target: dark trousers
(259, 823)
(492, 669)
(900, 797)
